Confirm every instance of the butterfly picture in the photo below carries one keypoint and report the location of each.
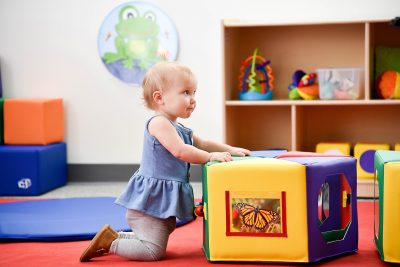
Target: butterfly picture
(254, 217)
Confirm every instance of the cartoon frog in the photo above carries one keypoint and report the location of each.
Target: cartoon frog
(137, 40)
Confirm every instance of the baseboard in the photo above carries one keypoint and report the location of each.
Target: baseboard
(365, 188)
(114, 172)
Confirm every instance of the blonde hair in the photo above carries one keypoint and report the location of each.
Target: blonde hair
(161, 76)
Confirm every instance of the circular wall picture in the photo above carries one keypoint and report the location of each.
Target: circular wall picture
(133, 37)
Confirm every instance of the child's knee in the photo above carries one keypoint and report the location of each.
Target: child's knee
(157, 253)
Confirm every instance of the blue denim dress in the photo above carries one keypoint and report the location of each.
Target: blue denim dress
(160, 187)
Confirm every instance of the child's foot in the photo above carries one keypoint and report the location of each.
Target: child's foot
(100, 244)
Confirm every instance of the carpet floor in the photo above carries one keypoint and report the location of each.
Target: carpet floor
(184, 249)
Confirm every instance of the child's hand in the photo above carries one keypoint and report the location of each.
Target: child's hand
(220, 156)
(238, 151)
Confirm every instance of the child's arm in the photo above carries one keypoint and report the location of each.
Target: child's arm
(213, 146)
(162, 129)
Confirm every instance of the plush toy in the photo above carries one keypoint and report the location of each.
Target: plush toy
(388, 85)
(303, 86)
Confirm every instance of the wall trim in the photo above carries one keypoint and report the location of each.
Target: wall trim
(114, 172)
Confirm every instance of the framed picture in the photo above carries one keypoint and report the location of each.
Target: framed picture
(256, 214)
(133, 37)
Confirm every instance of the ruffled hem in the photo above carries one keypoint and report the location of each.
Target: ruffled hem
(160, 198)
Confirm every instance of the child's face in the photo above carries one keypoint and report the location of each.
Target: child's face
(178, 100)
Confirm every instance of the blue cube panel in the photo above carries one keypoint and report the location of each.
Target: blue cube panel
(32, 170)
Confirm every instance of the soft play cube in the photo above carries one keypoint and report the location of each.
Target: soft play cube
(33, 121)
(280, 210)
(32, 170)
(386, 208)
(1, 120)
(364, 153)
(333, 148)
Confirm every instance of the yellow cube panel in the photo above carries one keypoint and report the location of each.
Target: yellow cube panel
(333, 148)
(259, 179)
(391, 216)
(397, 146)
(364, 152)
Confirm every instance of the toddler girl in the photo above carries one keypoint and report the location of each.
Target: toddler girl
(159, 191)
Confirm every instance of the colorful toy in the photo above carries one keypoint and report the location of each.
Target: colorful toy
(33, 121)
(255, 78)
(334, 148)
(386, 209)
(388, 85)
(303, 86)
(199, 209)
(290, 209)
(397, 146)
(365, 152)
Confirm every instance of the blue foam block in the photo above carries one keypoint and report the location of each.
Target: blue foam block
(32, 170)
(66, 219)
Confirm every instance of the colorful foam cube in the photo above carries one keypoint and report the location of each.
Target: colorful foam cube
(333, 148)
(32, 170)
(33, 121)
(1, 120)
(294, 209)
(364, 153)
(387, 199)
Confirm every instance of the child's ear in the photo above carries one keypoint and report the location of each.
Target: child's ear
(157, 97)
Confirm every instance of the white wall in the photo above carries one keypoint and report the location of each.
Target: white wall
(48, 48)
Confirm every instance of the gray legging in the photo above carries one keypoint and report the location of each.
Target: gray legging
(148, 240)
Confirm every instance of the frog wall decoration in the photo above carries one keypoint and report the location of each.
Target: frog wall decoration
(133, 37)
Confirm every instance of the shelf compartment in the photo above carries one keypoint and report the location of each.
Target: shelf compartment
(292, 47)
(380, 34)
(258, 127)
(379, 102)
(359, 123)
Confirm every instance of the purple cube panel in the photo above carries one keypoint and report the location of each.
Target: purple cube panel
(331, 205)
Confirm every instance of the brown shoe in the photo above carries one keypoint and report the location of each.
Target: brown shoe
(100, 244)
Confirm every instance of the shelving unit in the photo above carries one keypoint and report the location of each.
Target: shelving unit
(301, 124)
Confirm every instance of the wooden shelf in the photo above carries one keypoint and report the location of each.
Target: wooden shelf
(311, 102)
(301, 124)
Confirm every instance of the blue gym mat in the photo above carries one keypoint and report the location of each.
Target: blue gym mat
(66, 219)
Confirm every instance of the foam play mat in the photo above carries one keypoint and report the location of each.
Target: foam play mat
(64, 219)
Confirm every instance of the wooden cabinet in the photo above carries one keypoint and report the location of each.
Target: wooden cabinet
(301, 124)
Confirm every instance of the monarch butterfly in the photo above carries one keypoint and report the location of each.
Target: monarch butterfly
(256, 217)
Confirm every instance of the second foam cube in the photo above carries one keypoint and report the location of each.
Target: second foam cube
(33, 121)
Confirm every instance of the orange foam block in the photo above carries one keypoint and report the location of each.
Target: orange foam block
(33, 121)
